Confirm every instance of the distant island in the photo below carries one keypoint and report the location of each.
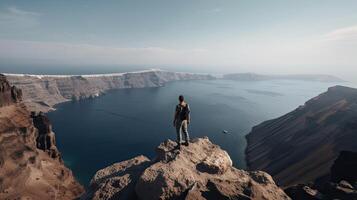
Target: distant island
(301, 77)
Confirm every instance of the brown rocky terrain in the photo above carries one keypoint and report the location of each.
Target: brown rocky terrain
(30, 164)
(200, 171)
(42, 92)
(302, 145)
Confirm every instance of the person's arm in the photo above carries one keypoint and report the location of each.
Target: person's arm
(175, 116)
(188, 114)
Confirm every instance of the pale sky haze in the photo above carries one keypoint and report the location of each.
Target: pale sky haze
(276, 36)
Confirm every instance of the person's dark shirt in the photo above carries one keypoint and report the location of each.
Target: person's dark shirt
(183, 112)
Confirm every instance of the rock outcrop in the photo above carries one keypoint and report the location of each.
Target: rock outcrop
(30, 165)
(45, 139)
(8, 94)
(301, 146)
(42, 92)
(200, 171)
(341, 184)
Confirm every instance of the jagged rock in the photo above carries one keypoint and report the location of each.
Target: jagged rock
(339, 191)
(346, 184)
(26, 171)
(303, 192)
(200, 171)
(45, 139)
(118, 180)
(8, 94)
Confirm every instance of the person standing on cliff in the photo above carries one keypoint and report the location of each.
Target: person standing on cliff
(182, 120)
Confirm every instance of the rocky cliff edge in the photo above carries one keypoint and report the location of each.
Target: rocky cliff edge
(200, 171)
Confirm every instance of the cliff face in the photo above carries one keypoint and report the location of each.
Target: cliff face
(341, 183)
(200, 171)
(302, 145)
(45, 139)
(30, 165)
(41, 93)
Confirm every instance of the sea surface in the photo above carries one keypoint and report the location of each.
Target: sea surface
(121, 124)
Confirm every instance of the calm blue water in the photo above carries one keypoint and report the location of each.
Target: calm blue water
(93, 134)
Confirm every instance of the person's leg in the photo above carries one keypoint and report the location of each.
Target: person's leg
(178, 132)
(185, 131)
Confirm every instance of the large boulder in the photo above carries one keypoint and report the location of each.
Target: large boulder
(201, 170)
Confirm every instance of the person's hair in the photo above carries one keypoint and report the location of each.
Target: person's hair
(181, 98)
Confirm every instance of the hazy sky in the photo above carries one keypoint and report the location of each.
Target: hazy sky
(275, 36)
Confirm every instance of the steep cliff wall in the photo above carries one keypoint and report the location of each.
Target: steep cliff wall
(30, 164)
(41, 93)
(302, 145)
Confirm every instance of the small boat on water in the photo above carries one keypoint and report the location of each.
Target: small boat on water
(225, 132)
